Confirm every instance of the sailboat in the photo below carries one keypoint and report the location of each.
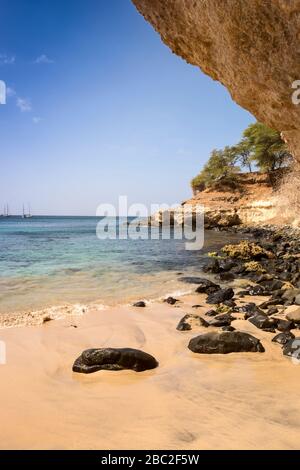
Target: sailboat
(6, 211)
(26, 215)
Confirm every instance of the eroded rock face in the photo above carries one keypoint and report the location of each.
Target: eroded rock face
(250, 46)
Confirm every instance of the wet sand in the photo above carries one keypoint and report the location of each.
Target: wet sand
(235, 401)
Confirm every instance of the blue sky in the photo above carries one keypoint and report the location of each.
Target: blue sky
(98, 106)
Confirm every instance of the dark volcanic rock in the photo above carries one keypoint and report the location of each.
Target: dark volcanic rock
(228, 328)
(239, 269)
(224, 319)
(262, 322)
(224, 343)
(227, 264)
(212, 266)
(263, 277)
(285, 325)
(283, 338)
(272, 285)
(190, 320)
(141, 303)
(272, 311)
(226, 276)
(229, 303)
(207, 287)
(220, 296)
(292, 348)
(242, 293)
(270, 330)
(249, 309)
(270, 303)
(211, 313)
(171, 300)
(257, 290)
(114, 359)
(285, 276)
(191, 279)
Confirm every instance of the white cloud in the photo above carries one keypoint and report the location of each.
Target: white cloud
(24, 105)
(7, 60)
(43, 59)
(36, 119)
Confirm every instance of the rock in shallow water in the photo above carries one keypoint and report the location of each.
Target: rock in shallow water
(92, 360)
(141, 303)
(225, 342)
(207, 287)
(171, 301)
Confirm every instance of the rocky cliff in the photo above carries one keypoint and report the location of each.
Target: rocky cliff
(250, 46)
(252, 201)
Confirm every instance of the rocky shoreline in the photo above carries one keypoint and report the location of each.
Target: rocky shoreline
(219, 365)
(266, 262)
(271, 265)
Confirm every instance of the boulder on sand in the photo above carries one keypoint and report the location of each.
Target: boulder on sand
(224, 343)
(292, 349)
(189, 321)
(92, 360)
(283, 338)
(224, 319)
(285, 325)
(262, 321)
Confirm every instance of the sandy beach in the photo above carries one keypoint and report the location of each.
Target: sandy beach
(233, 401)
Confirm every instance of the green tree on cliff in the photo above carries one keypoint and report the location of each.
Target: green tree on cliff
(221, 164)
(266, 148)
(244, 155)
(260, 146)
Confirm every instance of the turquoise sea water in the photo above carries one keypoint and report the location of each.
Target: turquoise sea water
(47, 261)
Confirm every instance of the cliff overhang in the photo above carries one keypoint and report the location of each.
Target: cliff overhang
(250, 46)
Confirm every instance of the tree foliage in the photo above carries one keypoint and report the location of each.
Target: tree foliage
(266, 147)
(221, 164)
(260, 147)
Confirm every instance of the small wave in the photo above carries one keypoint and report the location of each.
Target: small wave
(38, 317)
